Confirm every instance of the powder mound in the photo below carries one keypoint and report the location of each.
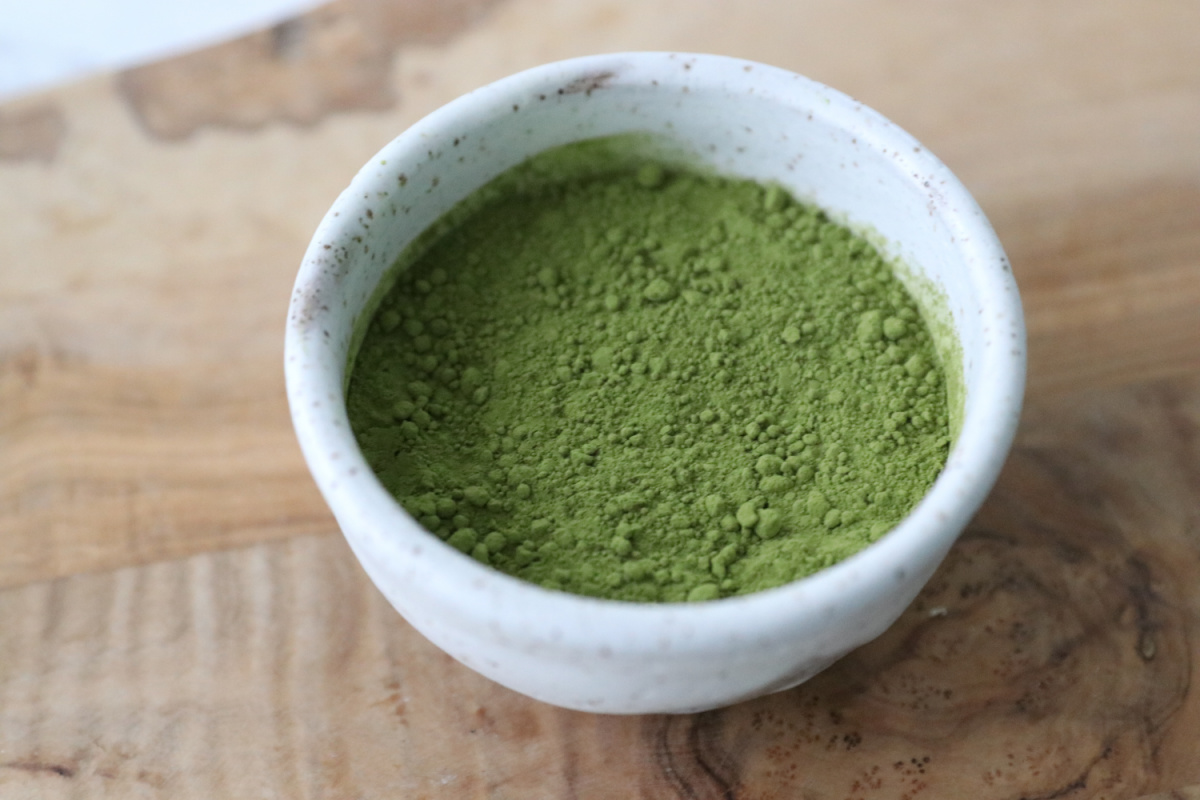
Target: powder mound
(650, 385)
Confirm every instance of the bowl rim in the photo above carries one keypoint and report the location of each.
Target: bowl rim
(385, 537)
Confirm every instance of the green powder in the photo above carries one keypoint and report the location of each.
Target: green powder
(649, 385)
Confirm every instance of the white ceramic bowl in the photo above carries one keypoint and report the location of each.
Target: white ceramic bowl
(739, 118)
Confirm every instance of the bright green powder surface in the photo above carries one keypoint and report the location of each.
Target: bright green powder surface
(650, 385)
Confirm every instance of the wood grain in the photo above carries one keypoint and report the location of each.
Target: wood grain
(159, 267)
(1184, 793)
(31, 133)
(336, 58)
(179, 619)
(114, 465)
(1110, 284)
(1051, 655)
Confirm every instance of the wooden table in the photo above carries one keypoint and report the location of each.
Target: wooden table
(179, 617)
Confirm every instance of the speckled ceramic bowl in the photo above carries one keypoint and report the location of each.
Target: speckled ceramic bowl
(738, 118)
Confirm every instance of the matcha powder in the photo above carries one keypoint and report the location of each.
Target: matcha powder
(650, 385)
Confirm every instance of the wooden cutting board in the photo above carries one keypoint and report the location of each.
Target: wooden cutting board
(179, 617)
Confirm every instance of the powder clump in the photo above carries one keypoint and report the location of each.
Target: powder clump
(650, 385)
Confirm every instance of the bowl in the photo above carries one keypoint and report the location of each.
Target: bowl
(738, 118)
